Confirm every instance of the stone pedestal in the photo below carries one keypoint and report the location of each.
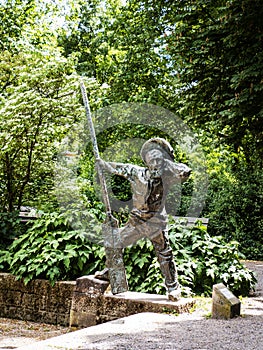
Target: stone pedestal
(92, 304)
(85, 301)
(225, 304)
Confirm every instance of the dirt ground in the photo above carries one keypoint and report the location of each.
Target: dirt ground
(14, 333)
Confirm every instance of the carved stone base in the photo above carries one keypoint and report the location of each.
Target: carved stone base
(92, 304)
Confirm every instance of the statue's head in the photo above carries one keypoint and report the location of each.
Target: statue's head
(153, 153)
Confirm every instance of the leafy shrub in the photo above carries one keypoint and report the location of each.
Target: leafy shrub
(52, 250)
(10, 227)
(142, 268)
(204, 260)
(201, 260)
(235, 209)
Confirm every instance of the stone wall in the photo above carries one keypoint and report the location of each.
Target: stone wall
(38, 301)
(78, 304)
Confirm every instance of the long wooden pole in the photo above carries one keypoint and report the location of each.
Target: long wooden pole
(113, 251)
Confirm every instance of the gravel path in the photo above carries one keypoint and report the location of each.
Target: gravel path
(153, 331)
(243, 333)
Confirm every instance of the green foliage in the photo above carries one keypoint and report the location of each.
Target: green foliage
(10, 228)
(236, 209)
(201, 260)
(142, 268)
(113, 48)
(200, 59)
(14, 18)
(209, 260)
(215, 50)
(38, 105)
(52, 250)
(34, 23)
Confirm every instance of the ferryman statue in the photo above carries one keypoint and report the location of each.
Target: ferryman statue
(148, 218)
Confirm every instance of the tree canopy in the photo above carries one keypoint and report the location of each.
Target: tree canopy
(200, 59)
(37, 107)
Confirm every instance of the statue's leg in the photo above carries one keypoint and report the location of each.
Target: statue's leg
(165, 258)
(130, 234)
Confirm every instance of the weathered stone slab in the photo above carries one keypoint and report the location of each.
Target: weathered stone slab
(90, 284)
(88, 310)
(28, 301)
(11, 283)
(225, 304)
(86, 301)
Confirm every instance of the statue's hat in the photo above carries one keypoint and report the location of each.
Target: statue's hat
(160, 144)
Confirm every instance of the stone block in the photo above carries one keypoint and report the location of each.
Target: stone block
(85, 302)
(52, 303)
(28, 301)
(47, 317)
(6, 281)
(14, 312)
(14, 298)
(29, 315)
(91, 285)
(41, 287)
(63, 320)
(225, 304)
(80, 319)
(41, 302)
(9, 282)
(66, 289)
(64, 308)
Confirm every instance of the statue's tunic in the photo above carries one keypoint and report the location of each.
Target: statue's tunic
(148, 216)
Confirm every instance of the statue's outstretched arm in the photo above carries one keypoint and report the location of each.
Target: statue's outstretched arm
(121, 169)
(178, 172)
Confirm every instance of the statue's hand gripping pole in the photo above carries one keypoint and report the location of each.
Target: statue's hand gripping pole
(113, 250)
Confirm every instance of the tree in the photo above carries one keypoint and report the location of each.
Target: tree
(197, 58)
(14, 17)
(216, 51)
(38, 99)
(118, 46)
(37, 107)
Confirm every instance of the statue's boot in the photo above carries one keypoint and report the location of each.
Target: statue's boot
(102, 275)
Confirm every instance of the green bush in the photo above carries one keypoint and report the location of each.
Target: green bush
(235, 209)
(201, 260)
(52, 250)
(204, 260)
(10, 227)
(142, 268)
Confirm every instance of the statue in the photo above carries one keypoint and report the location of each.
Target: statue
(148, 218)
